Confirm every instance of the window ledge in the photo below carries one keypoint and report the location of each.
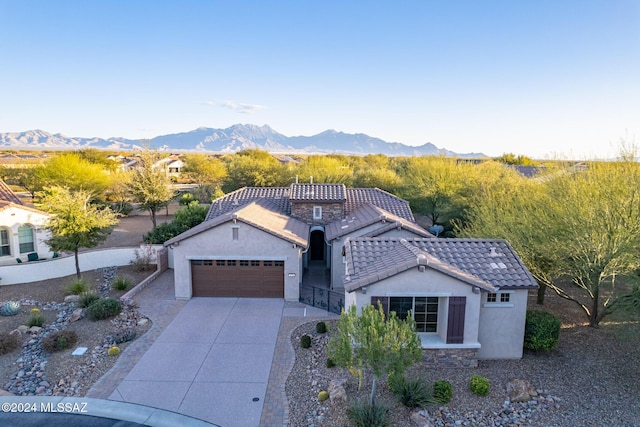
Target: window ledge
(498, 304)
(428, 341)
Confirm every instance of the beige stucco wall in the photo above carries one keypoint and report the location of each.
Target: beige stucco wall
(253, 243)
(12, 218)
(428, 283)
(337, 266)
(502, 327)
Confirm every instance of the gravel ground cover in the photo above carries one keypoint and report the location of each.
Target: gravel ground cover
(23, 371)
(591, 379)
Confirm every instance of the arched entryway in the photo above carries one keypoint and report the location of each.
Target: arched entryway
(317, 245)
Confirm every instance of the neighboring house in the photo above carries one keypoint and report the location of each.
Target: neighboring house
(21, 231)
(258, 242)
(172, 165)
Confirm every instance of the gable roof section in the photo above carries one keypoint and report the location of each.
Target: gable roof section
(357, 197)
(6, 195)
(317, 193)
(488, 264)
(278, 196)
(367, 214)
(261, 215)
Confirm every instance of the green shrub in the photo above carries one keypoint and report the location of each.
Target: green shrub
(411, 392)
(322, 396)
(442, 391)
(186, 198)
(104, 308)
(35, 318)
(321, 327)
(59, 340)
(305, 341)
(87, 298)
(330, 363)
(77, 287)
(362, 414)
(541, 331)
(8, 342)
(122, 283)
(123, 208)
(479, 385)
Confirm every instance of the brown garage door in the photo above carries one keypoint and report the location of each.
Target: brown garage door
(237, 278)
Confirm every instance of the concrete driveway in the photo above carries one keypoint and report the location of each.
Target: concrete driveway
(211, 362)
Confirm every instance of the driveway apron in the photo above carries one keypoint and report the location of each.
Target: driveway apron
(211, 362)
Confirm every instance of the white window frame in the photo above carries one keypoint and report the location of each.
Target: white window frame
(317, 212)
(235, 233)
(5, 243)
(32, 241)
(500, 299)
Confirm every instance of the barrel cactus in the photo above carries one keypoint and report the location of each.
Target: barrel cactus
(10, 308)
(113, 351)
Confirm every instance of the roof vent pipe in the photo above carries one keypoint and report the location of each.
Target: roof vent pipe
(311, 180)
(492, 252)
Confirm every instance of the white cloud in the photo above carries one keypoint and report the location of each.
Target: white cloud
(236, 106)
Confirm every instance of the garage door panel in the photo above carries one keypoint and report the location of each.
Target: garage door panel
(233, 278)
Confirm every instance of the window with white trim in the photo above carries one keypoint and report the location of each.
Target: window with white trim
(235, 233)
(25, 238)
(499, 297)
(317, 212)
(424, 309)
(5, 246)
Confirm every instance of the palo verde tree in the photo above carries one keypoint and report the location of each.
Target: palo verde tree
(207, 172)
(74, 172)
(369, 341)
(149, 185)
(596, 217)
(577, 232)
(254, 168)
(514, 212)
(75, 223)
(432, 184)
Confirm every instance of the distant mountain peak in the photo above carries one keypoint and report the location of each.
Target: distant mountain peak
(232, 139)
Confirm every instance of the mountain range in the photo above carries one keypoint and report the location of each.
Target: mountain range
(235, 138)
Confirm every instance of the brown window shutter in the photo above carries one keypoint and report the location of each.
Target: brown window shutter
(384, 301)
(455, 324)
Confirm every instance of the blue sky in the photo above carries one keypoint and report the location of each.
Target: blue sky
(540, 78)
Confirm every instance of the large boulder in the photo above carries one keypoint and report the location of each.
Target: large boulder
(336, 390)
(421, 418)
(520, 391)
(77, 314)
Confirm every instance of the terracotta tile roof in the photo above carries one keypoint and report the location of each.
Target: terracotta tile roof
(488, 264)
(317, 193)
(6, 195)
(260, 214)
(367, 214)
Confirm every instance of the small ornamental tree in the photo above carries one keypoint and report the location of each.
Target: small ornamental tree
(75, 223)
(370, 341)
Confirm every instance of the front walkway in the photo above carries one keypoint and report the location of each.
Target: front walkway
(210, 357)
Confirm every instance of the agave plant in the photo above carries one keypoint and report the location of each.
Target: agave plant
(10, 308)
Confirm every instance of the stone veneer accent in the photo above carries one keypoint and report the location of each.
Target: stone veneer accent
(450, 357)
(330, 212)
